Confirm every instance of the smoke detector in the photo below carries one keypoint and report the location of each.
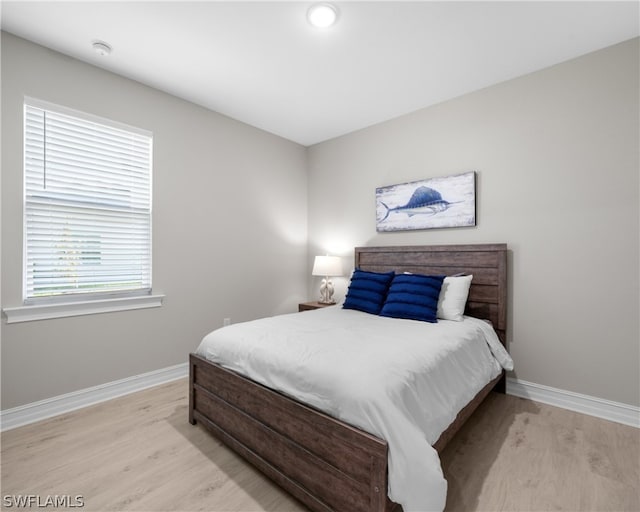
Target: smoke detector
(101, 48)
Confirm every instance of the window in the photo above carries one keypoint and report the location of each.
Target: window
(87, 205)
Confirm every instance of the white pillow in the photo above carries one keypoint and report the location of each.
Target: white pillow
(453, 297)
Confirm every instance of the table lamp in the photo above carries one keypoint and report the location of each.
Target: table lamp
(327, 266)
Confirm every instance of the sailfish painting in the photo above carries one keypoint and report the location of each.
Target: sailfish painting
(434, 203)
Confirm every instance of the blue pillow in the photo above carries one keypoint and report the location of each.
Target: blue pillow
(413, 296)
(367, 291)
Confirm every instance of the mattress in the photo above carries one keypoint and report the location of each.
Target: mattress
(403, 381)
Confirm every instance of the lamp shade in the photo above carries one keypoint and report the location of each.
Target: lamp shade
(327, 266)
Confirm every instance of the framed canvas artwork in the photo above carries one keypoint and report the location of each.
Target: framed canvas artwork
(447, 202)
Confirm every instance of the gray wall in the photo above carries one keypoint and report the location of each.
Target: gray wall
(557, 159)
(229, 229)
(556, 154)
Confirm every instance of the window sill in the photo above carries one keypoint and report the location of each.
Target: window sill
(34, 312)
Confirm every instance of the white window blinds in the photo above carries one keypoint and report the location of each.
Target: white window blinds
(87, 204)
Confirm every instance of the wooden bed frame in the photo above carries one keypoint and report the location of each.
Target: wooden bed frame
(325, 463)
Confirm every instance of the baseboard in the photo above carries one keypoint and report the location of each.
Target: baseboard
(585, 404)
(43, 409)
(37, 411)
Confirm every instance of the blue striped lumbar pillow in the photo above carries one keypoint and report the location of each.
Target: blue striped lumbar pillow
(367, 291)
(413, 296)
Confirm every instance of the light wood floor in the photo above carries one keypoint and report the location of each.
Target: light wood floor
(139, 453)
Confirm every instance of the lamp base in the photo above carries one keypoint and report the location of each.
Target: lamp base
(326, 291)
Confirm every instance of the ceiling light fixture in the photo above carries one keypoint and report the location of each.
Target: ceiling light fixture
(322, 15)
(101, 48)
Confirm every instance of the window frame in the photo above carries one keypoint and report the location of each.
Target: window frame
(72, 304)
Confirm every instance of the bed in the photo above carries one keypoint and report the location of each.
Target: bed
(326, 463)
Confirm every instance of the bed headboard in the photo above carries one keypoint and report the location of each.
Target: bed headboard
(487, 262)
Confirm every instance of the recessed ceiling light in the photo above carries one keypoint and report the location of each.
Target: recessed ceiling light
(322, 15)
(101, 48)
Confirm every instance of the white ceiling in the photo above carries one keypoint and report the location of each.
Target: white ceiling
(261, 63)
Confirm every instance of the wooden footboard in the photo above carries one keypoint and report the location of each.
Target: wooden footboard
(325, 463)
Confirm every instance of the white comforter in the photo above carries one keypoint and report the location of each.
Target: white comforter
(401, 380)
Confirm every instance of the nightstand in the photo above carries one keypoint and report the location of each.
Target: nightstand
(308, 306)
